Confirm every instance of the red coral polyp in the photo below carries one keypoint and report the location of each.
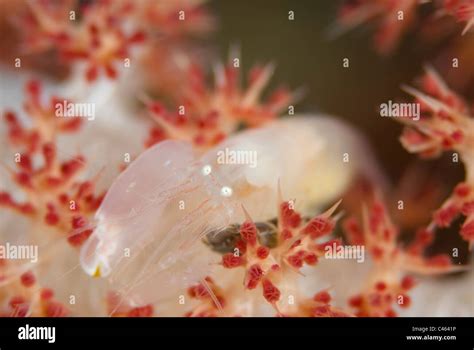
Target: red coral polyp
(206, 115)
(265, 267)
(55, 194)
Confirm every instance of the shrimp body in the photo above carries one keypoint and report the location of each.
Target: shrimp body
(150, 226)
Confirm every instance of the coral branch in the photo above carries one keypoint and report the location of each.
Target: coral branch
(388, 284)
(447, 124)
(271, 264)
(207, 115)
(102, 33)
(395, 17)
(55, 196)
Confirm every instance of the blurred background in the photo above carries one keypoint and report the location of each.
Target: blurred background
(307, 56)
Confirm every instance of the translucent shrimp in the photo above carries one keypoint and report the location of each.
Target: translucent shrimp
(148, 239)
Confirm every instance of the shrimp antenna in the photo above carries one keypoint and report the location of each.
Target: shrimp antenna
(212, 294)
(331, 210)
(246, 213)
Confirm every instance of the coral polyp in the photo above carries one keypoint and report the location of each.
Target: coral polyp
(447, 125)
(208, 115)
(55, 194)
(395, 18)
(102, 33)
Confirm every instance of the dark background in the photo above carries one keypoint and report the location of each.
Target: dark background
(307, 57)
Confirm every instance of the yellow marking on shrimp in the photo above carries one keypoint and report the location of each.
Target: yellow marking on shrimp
(97, 272)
